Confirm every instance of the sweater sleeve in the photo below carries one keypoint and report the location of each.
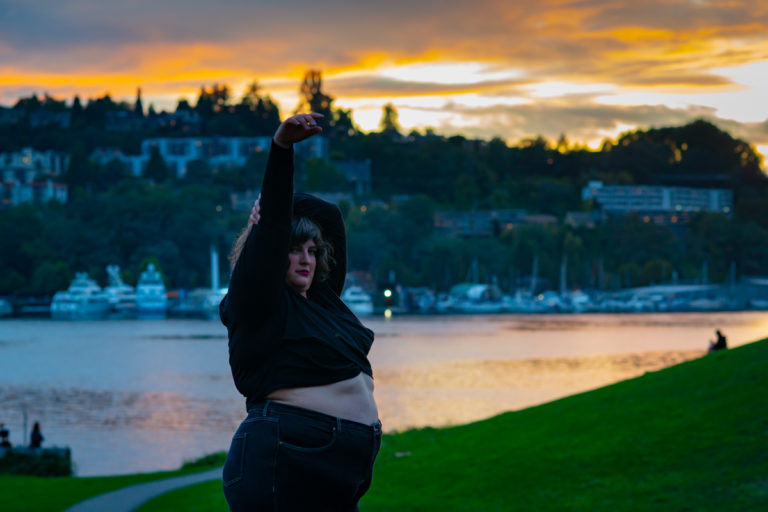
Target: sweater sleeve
(255, 290)
(331, 222)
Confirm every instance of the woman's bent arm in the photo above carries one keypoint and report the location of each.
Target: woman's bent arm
(258, 279)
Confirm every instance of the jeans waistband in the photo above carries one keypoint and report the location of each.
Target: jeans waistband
(275, 409)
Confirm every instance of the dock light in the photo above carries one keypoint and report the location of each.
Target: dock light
(387, 293)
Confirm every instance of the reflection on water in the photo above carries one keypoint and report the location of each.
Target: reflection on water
(132, 396)
(459, 392)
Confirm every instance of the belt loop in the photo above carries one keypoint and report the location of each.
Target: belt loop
(338, 424)
(266, 407)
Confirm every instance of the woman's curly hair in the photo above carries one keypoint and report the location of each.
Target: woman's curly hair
(302, 229)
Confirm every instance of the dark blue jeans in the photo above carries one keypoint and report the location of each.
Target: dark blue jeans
(286, 458)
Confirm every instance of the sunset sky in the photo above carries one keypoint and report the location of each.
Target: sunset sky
(588, 69)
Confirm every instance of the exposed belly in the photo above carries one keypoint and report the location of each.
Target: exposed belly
(350, 399)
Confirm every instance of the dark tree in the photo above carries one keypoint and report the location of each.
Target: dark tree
(157, 170)
(313, 99)
(342, 124)
(183, 105)
(257, 114)
(212, 101)
(80, 173)
(138, 108)
(389, 123)
(76, 111)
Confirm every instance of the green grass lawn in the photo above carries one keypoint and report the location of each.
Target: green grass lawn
(52, 494)
(693, 437)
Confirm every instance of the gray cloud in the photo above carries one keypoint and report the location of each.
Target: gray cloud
(622, 42)
(338, 32)
(583, 120)
(363, 86)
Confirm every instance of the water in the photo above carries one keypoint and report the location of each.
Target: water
(133, 396)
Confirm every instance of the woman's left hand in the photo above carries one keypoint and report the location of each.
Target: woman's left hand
(255, 212)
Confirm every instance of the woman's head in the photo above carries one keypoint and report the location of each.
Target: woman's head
(302, 231)
(309, 256)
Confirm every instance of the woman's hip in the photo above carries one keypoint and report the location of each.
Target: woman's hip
(284, 457)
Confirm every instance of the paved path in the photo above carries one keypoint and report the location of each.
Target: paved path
(130, 498)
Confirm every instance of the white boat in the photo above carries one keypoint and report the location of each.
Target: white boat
(523, 302)
(478, 299)
(84, 299)
(151, 299)
(211, 302)
(707, 304)
(359, 302)
(122, 297)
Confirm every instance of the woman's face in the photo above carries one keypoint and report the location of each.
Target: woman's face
(301, 269)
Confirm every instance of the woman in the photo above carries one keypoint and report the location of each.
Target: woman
(297, 353)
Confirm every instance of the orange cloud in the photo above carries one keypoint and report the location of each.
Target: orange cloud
(634, 47)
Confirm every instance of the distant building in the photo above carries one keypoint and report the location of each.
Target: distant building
(103, 156)
(184, 120)
(11, 116)
(313, 147)
(123, 121)
(219, 152)
(582, 219)
(52, 163)
(540, 219)
(25, 177)
(481, 223)
(41, 118)
(13, 193)
(358, 175)
(661, 205)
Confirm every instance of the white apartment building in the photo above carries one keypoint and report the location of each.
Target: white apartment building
(13, 193)
(654, 199)
(28, 159)
(219, 152)
(25, 177)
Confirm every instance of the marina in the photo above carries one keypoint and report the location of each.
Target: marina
(86, 300)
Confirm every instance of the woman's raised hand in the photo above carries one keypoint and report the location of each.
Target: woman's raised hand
(297, 128)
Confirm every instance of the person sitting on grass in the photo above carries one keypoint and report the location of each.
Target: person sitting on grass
(719, 344)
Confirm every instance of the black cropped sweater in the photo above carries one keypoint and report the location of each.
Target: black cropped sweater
(277, 338)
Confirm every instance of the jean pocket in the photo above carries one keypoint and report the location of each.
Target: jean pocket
(233, 466)
(300, 434)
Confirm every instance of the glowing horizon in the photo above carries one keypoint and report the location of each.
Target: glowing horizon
(512, 71)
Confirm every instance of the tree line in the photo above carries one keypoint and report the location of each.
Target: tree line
(113, 217)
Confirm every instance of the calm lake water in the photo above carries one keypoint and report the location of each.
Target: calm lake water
(134, 396)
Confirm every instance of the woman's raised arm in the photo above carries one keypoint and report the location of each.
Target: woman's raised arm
(258, 276)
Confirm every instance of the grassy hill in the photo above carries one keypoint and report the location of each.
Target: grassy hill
(693, 437)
